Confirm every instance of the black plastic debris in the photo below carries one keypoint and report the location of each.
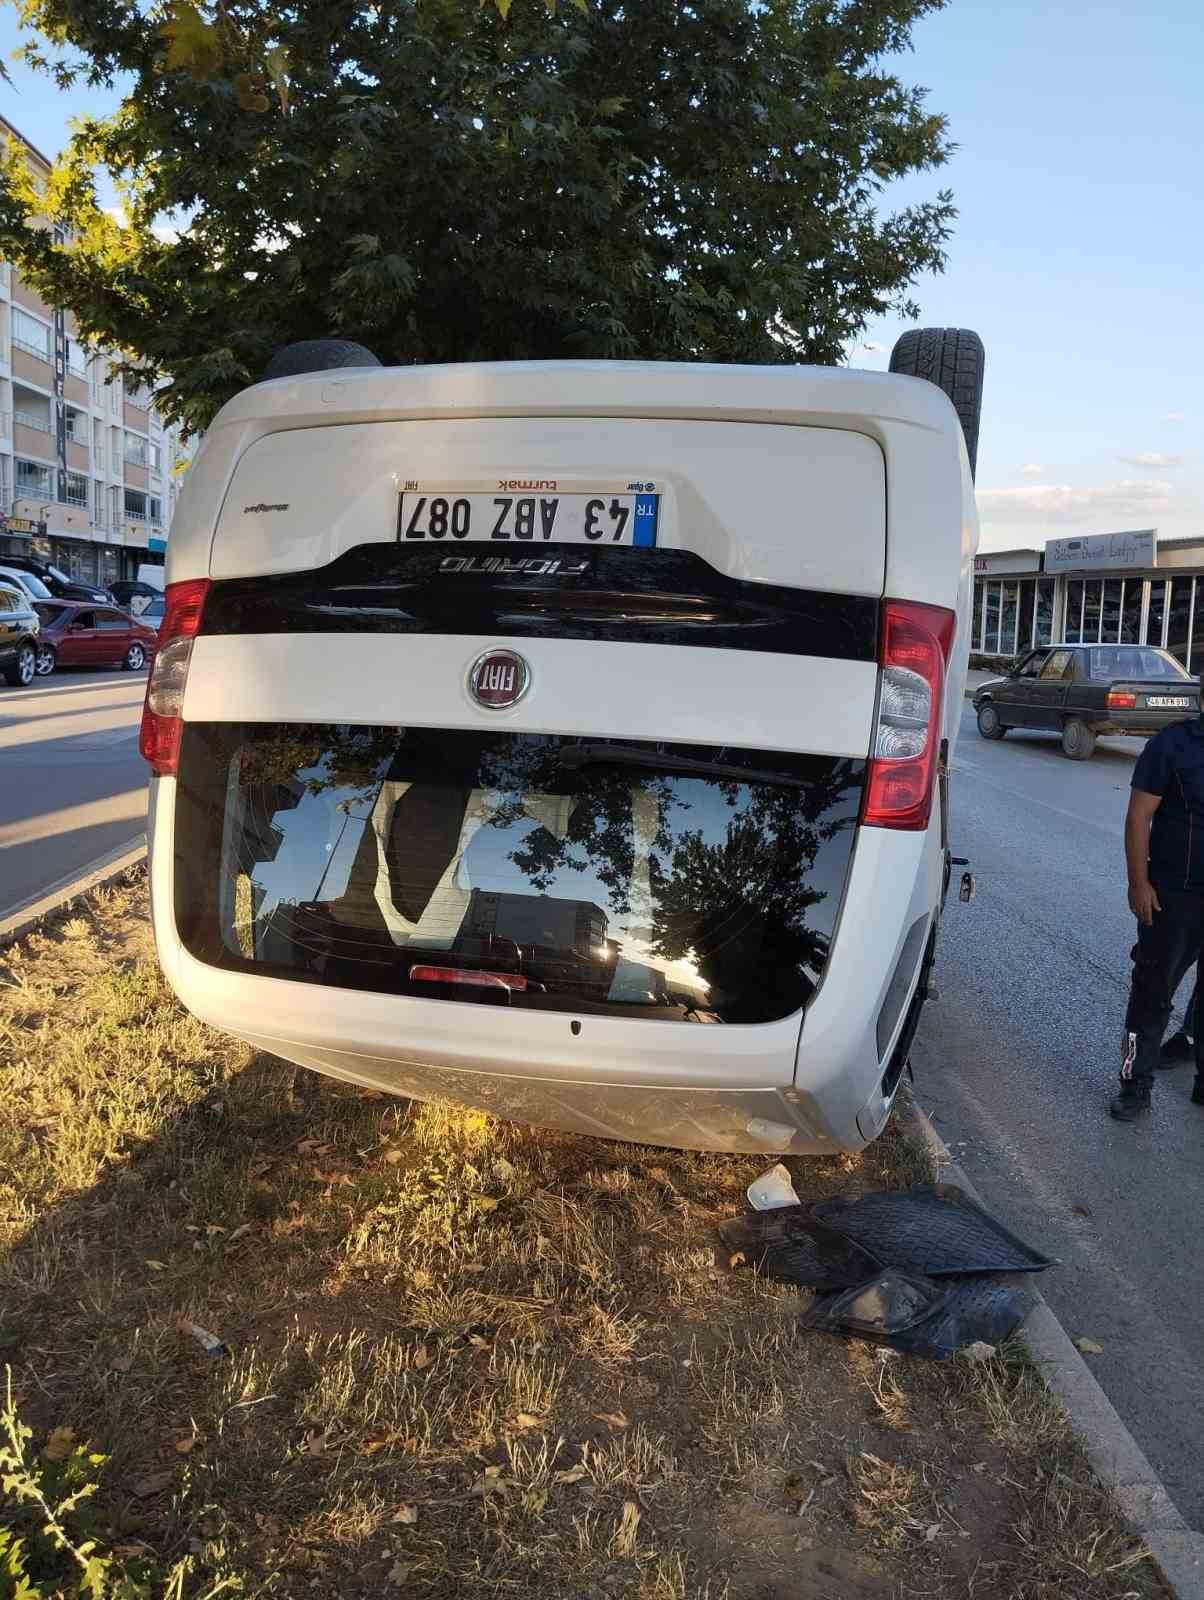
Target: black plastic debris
(788, 1244)
(920, 1316)
(934, 1229)
(923, 1270)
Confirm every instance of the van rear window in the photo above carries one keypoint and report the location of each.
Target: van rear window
(670, 882)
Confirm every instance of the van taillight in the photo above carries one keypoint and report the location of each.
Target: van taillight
(916, 640)
(159, 738)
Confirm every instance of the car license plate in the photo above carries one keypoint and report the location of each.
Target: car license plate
(1176, 702)
(544, 514)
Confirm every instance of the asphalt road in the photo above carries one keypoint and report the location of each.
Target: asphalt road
(1018, 1057)
(72, 784)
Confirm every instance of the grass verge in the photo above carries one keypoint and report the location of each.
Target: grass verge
(460, 1357)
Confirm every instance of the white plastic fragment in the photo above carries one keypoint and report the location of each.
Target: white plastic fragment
(772, 1188)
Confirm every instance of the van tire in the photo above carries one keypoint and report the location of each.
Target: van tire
(317, 355)
(1078, 740)
(989, 724)
(953, 359)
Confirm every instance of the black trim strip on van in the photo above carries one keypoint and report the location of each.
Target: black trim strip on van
(566, 592)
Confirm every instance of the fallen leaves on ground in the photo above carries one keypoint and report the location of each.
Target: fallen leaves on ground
(59, 1445)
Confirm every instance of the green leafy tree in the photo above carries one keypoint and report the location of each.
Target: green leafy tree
(680, 179)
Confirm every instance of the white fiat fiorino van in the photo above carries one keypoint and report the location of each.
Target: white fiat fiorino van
(568, 739)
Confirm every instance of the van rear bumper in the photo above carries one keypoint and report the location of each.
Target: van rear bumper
(734, 1088)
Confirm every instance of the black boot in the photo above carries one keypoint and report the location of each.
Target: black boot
(1175, 1051)
(1132, 1102)
(1197, 1091)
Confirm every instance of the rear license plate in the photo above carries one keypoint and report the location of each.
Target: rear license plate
(550, 516)
(1169, 702)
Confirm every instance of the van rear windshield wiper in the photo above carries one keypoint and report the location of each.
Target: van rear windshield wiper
(573, 757)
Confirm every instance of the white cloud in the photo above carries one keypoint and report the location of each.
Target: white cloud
(1130, 498)
(1151, 458)
(161, 230)
(1033, 469)
(1175, 416)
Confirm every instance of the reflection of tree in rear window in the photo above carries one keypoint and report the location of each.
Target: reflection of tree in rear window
(354, 854)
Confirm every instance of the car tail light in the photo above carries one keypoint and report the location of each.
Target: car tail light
(159, 739)
(1119, 701)
(469, 976)
(916, 640)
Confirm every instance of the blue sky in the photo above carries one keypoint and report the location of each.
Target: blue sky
(1078, 254)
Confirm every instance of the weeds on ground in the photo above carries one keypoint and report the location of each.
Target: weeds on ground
(459, 1357)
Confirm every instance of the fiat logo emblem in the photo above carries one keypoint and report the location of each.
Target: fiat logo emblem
(498, 679)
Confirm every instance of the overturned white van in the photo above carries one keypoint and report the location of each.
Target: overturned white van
(568, 739)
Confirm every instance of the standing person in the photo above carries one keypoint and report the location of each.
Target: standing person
(1164, 851)
(1181, 1045)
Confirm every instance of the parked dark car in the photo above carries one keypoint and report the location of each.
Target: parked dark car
(19, 628)
(132, 595)
(75, 635)
(60, 585)
(1084, 690)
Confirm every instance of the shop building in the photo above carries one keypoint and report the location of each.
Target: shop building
(1112, 588)
(87, 466)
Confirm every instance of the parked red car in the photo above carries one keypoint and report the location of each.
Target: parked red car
(78, 634)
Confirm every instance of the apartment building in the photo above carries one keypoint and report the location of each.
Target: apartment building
(87, 467)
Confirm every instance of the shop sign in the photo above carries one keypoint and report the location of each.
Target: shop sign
(1102, 552)
(1006, 562)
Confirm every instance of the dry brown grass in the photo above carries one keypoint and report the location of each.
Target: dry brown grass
(463, 1357)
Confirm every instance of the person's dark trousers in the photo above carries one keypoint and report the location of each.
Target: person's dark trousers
(1161, 956)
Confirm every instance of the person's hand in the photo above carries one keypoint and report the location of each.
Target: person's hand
(1143, 901)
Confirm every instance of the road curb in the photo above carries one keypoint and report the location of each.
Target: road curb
(56, 899)
(1119, 1461)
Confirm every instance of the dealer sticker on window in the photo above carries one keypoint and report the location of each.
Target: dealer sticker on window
(530, 511)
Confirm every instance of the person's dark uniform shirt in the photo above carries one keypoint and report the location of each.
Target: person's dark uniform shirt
(1172, 766)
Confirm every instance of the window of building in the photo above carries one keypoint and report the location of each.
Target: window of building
(33, 479)
(1178, 617)
(991, 627)
(1007, 620)
(154, 456)
(976, 625)
(1130, 611)
(31, 335)
(1024, 631)
(1043, 622)
(77, 425)
(155, 508)
(135, 449)
(75, 489)
(1196, 661)
(1109, 628)
(135, 504)
(1074, 611)
(1092, 594)
(1153, 632)
(29, 413)
(77, 359)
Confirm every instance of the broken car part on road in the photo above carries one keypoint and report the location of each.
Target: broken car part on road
(873, 1260)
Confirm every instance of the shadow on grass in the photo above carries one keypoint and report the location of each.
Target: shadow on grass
(464, 1357)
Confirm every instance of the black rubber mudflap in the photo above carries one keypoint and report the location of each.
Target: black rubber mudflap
(920, 1316)
(934, 1228)
(788, 1244)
